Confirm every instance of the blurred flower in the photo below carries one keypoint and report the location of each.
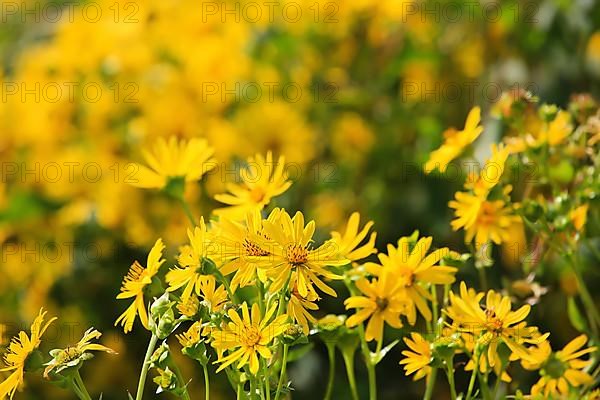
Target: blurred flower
(349, 244)
(134, 283)
(74, 356)
(413, 270)
(19, 352)
(418, 359)
(455, 142)
(382, 301)
(263, 179)
(251, 333)
(579, 216)
(560, 371)
(172, 159)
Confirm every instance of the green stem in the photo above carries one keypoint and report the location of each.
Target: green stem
(430, 384)
(450, 373)
(282, 373)
(78, 391)
(188, 211)
(267, 380)
(586, 297)
(185, 395)
(349, 362)
(331, 356)
(207, 383)
(473, 375)
(82, 386)
(141, 383)
(370, 366)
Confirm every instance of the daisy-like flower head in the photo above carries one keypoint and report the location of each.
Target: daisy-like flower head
(193, 259)
(238, 249)
(19, 350)
(413, 270)
(292, 257)
(418, 359)
(74, 356)
(262, 179)
(482, 219)
(382, 301)
(174, 159)
(492, 323)
(349, 244)
(299, 309)
(561, 371)
(250, 335)
(137, 279)
(455, 142)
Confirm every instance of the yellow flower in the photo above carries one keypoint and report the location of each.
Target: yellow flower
(137, 279)
(298, 309)
(579, 216)
(413, 271)
(213, 297)
(72, 356)
(20, 348)
(558, 129)
(292, 257)
(192, 336)
(349, 244)
(455, 142)
(250, 335)
(482, 219)
(189, 307)
(172, 159)
(492, 323)
(563, 370)
(382, 302)
(262, 179)
(418, 360)
(492, 171)
(237, 248)
(192, 259)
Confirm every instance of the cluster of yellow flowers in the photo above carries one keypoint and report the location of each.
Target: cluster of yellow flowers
(248, 280)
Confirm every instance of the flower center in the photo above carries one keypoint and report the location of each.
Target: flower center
(251, 336)
(382, 303)
(252, 249)
(68, 354)
(555, 367)
(493, 323)
(487, 215)
(257, 194)
(296, 254)
(407, 278)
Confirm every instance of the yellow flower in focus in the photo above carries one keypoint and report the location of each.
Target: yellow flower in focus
(72, 356)
(413, 270)
(579, 216)
(299, 309)
(213, 297)
(262, 179)
(292, 257)
(563, 370)
(455, 142)
(137, 279)
(172, 159)
(349, 244)
(250, 334)
(192, 260)
(418, 359)
(493, 323)
(382, 302)
(482, 219)
(19, 350)
(238, 249)
(189, 307)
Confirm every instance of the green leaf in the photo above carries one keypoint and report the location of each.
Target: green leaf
(577, 320)
(377, 357)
